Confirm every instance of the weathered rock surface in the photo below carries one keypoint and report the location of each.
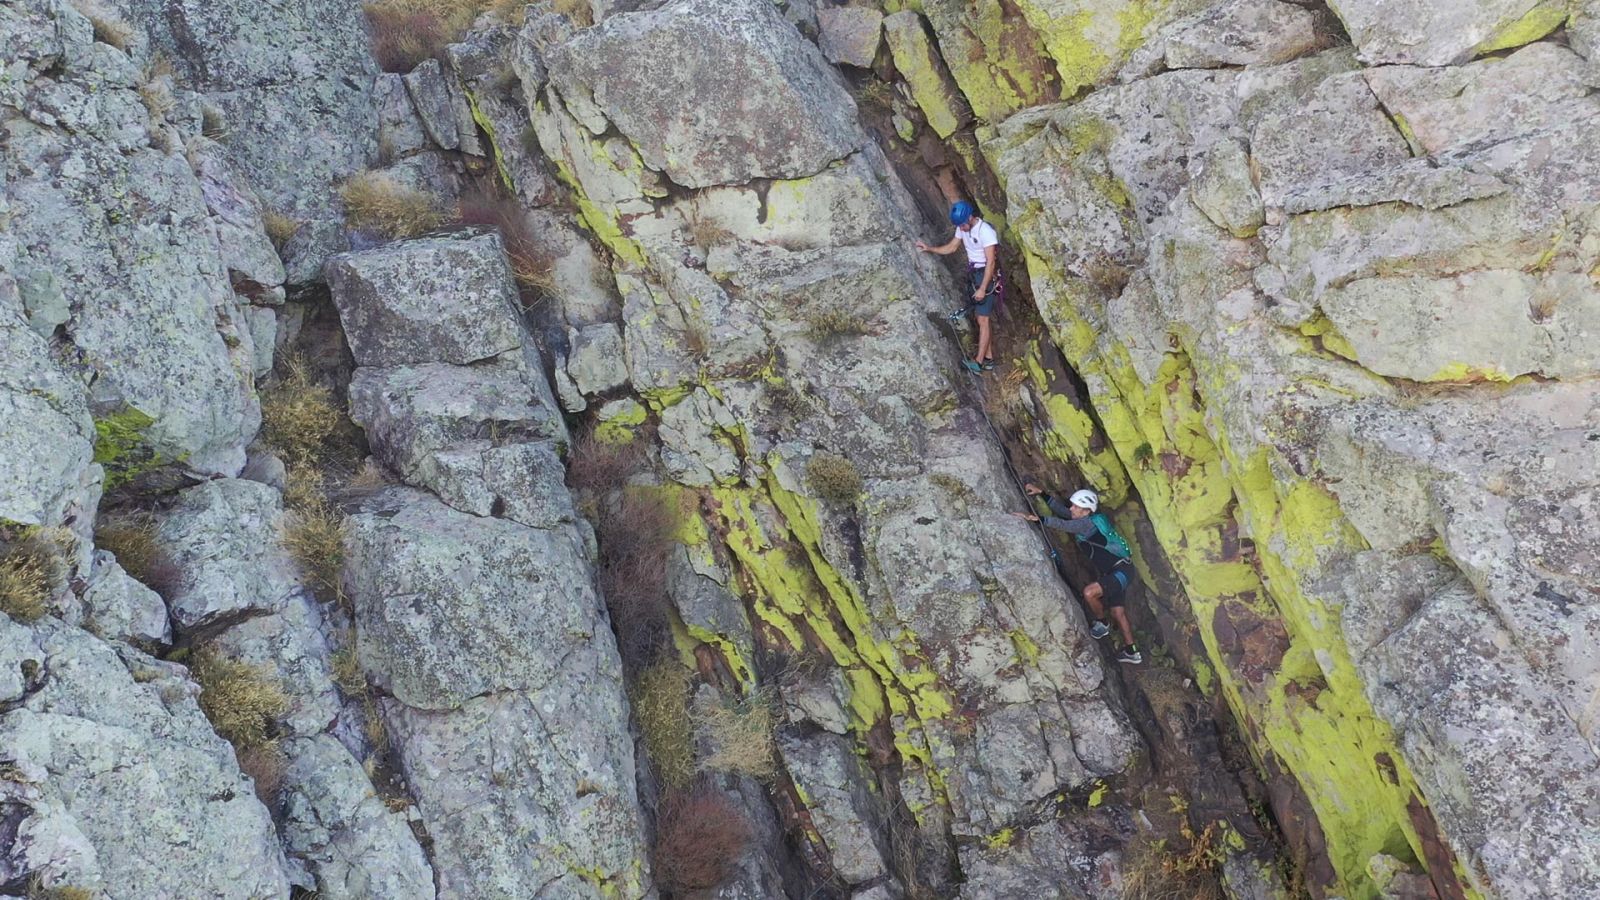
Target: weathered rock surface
(1297, 335)
(1430, 34)
(115, 781)
(754, 99)
(222, 537)
(432, 300)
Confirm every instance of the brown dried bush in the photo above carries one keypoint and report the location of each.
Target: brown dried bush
(579, 12)
(700, 837)
(37, 891)
(1153, 870)
(265, 765)
(596, 465)
(506, 216)
(637, 531)
(279, 227)
(407, 32)
(135, 541)
(376, 202)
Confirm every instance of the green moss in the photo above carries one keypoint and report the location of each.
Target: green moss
(494, 148)
(1465, 372)
(120, 447)
(1098, 795)
(1311, 714)
(1535, 24)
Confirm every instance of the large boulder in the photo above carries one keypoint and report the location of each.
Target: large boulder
(445, 299)
(751, 100)
(115, 781)
(46, 435)
(214, 535)
(1424, 33)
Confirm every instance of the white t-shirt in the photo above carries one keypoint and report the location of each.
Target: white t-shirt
(975, 239)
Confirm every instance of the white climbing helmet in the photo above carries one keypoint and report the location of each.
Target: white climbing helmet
(1087, 499)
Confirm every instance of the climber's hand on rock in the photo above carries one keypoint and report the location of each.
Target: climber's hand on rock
(922, 246)
(1032, 490)
(1030, 517)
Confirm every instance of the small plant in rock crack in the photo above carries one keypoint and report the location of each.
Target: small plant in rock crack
(243, 702)
(739, 732)
(482, 207)
(299, 415)
(265, 765)
(30, 569)
(637, 531)
(833, 478)
(661, 702)
(313, 534)
(109, 25)
(596, 465)
(38, 891)
(700, 837)
(1156, 870)
(280, 228)
(834, 324)
(376, 202)
(407, 32)
(136, 541)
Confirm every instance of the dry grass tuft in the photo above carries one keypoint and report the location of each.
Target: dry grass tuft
(1154, 871)
(579, 12)
(265, 764)
(835, 323)
(508, 218)
(707, 233)
(347, 673)
(37, 891)
(740, 732)
(376, 202)
(834, 479)
(299, 416)
(279, 227)
(661, 701)
(700, 837)
(155, 89)
(243, 701)
(313, 533)
(109, 25)
(407, 32)
(696, 338)
(29, 571)
(135, 541)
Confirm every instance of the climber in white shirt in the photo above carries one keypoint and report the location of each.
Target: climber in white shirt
(983, 270)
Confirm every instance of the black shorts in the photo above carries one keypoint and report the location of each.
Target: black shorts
(1114, 586)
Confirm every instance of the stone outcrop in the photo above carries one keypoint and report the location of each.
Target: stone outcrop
(475, 610)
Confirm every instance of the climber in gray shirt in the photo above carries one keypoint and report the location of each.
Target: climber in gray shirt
(1108, 553)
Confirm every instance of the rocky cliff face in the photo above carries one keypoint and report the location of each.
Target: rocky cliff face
(297, 598)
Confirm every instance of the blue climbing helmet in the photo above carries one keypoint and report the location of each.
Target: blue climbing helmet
(961, 212)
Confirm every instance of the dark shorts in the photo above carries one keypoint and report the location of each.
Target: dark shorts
(991, 299)
(1114, 586)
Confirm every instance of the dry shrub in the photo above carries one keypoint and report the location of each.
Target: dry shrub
(596, 465)
(700, 837)
(135, 541)
(213, 122)
(280, 228)
(661, 701)
(299, 416)
(835, 323)
(29, 571)
(407, 32)
(265, 765)
(636, 533)
(1154, 871)
(740, 731)
(707, 232)
(155, 89)
(696, 338)
(833, 478)
(313, 533)
(109, 25)
(347, 673)
(243, 701)
(37, 891)
(376, 202)
(480, 208)
(579, 12)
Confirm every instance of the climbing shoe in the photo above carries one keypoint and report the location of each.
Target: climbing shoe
(987, 366)
(1130, 654)
(971, 366)
(1099, 630)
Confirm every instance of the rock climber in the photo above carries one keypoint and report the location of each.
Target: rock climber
(983, 272)
(1108, 553)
